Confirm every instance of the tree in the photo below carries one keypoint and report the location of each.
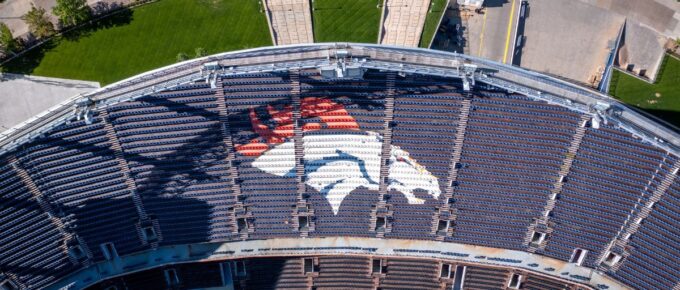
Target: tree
(38, 22)
(200, 52)
(7, 42)
(71, 12)
(182, 57)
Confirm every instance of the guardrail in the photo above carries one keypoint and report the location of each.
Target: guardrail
(412, 60)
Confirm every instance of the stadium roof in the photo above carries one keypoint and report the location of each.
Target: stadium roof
(339, 56)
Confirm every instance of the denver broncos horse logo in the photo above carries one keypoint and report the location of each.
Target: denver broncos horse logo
(338, 162)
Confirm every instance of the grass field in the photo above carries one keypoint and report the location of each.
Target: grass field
(437, 9)
(661, 99)
(347, 20)
(148, 37)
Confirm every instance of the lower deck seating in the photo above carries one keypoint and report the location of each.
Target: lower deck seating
(277, 273)
(411, 274)
(541, 283)
(30, 243)
(337, 272)
(485, 278)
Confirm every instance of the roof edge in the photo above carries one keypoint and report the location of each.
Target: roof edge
(412, 60)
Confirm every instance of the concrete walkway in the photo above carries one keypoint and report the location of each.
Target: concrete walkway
(290, 21)
(404, 21)
(340, 246)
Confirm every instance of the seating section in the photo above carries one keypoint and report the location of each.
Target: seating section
(513, 150)
(276, 273)
(77, 172)
(604, 184)
(174, 147)
(349, 272)
(338, 119)
(201, 161)
(411, 274)
(31, 246)
(653, 260)
(426, 115)
(486, 278)
(534, 282)
(256, 106)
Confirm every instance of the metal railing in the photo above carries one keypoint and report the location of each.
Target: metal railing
(367, 56)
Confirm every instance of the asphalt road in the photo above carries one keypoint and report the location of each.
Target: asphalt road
(491, 34)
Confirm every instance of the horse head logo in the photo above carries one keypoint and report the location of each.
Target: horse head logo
(335, 163)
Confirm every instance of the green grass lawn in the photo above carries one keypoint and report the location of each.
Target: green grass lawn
(148, 37)
(434, 14)
(347, 20)
(661, 99)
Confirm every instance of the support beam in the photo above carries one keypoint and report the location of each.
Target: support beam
(541, 223)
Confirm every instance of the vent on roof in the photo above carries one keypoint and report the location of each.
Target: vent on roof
(171, 278)
(515, 281)
(109, 251)
(578, 256)
(612, 259)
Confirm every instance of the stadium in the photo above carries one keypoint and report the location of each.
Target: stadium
(340, 166)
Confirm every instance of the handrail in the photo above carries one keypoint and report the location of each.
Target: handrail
(412, 60)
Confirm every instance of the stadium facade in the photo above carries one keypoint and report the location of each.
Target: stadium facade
(327, 166)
